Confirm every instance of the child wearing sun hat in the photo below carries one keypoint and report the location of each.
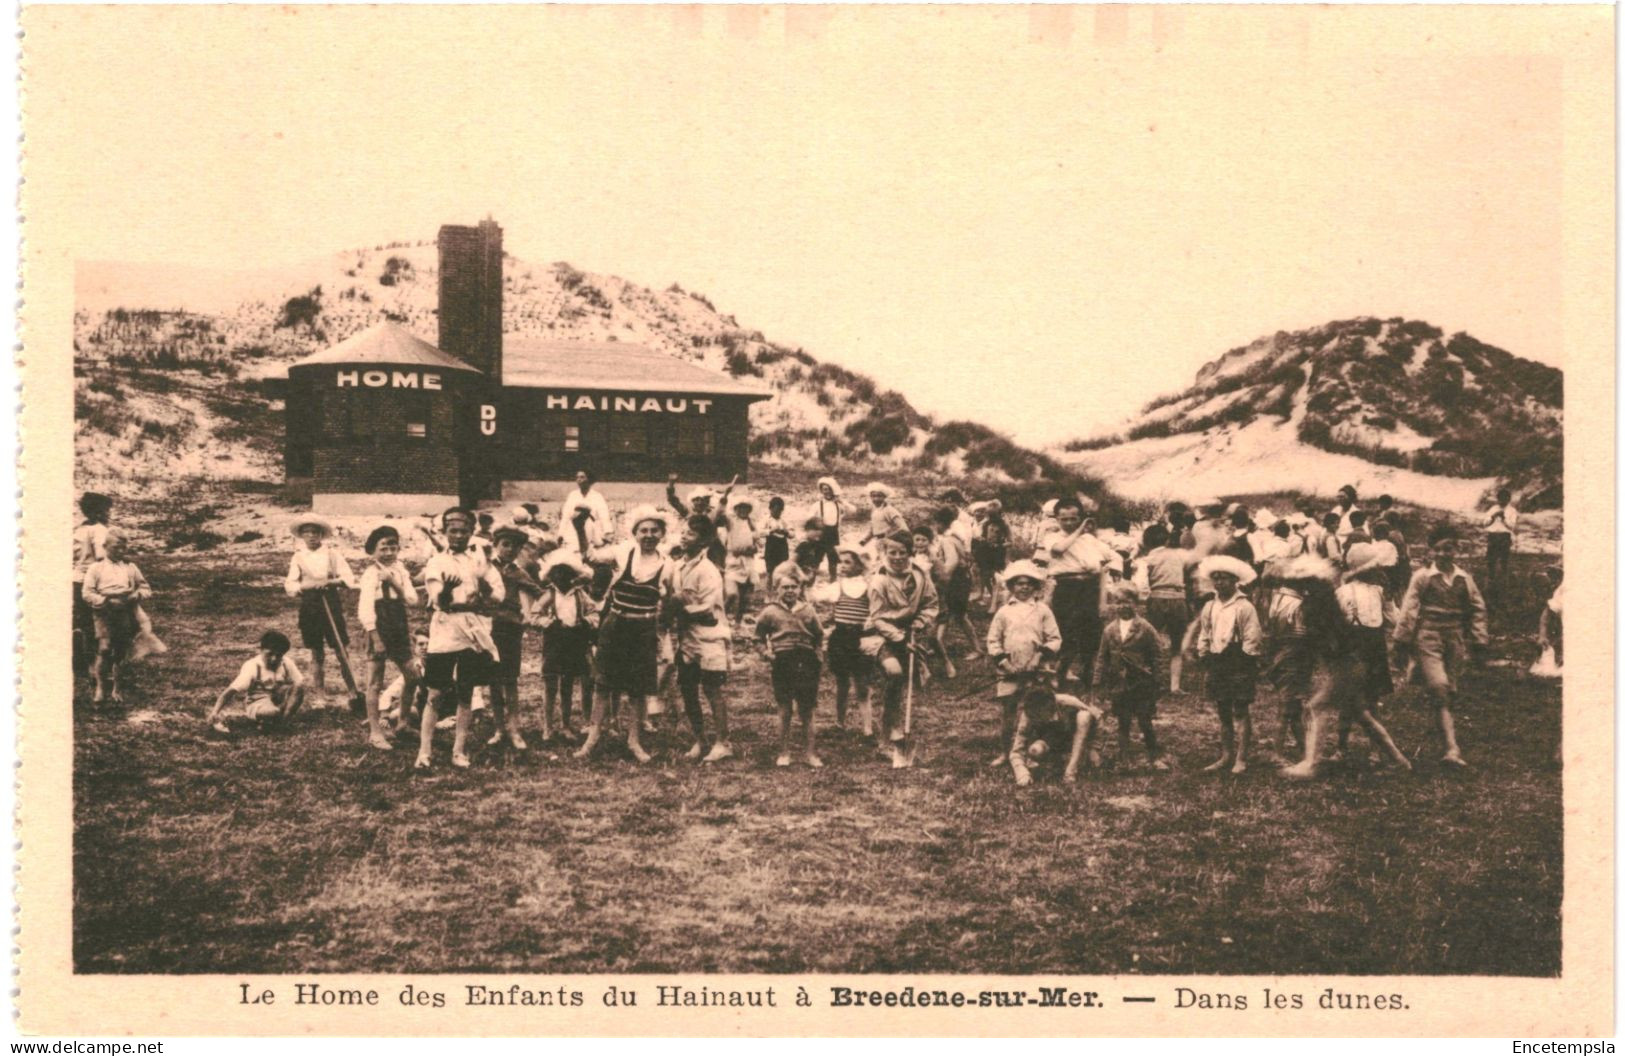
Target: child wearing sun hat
(1229, 641)
(316, 575)
(1022, 639)
(568, 616)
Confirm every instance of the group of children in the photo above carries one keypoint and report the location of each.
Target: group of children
(1092, 624)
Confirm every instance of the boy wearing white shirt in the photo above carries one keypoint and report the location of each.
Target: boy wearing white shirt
(1021, 640)
(386, 591)
(1500, 524)
(114, 589)
(1076, 565)
(268, 683)
(315, 575)
(1229, 639)
(462, 588)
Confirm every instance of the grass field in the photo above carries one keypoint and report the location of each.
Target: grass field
(305, 851)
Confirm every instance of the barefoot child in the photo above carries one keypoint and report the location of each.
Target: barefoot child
(88, 538)
(114, 589)
(701, 618)
(1021, 640)
(1363, 607)
(386, 591)
(508, 632)
(849, 594)
(316, 575)
(1127, 668)
(462, 588)
(1229, 640)
(902, 607)
(1442, 616)
(1047, 722)
(267, 683)
(790, 628)
(568, 617)
(643, 581)
(928, 559)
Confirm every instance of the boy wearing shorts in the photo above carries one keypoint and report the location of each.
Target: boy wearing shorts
(462, 589)
(1444, 621)
(386, 591)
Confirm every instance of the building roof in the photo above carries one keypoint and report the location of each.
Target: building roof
(611, 367)
(388, 344)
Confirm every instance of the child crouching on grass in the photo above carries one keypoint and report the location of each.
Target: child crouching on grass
(1047, 722)
(1022, 640)
(267, 683)
(790, 628)
(386, 591)
(1126, 666)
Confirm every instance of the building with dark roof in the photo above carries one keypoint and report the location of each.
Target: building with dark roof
(386, 422)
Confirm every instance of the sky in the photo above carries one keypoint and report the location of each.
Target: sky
(1037, 218)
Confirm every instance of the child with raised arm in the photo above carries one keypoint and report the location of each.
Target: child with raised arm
(1022, 640)
(1127, 668)
(268, 684)
(1443, 620)
(568, 617)
(1229, 640)
(1046, 723)
(739, 574)
(114, 589)
(902, 607)
(461, 588)
(316, 575)
(643, 581)
(386, 591)
(701, 617)
(790, 629)
(848, 663)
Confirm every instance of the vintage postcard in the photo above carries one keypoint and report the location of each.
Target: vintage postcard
(824, 520)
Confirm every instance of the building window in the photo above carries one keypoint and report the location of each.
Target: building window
(696, 436)
(628, 434)
(415, 409)
(572, 438)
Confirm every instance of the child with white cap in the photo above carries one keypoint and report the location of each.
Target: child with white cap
(885, 520)
(1022, 639)
(316, 575)
(1229, 640)
(643, 582)
(568, 617)
(830, 512)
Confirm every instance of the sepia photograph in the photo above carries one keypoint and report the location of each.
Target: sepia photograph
(776, 492)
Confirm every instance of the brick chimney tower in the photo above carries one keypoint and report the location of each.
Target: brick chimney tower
(471, 295)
